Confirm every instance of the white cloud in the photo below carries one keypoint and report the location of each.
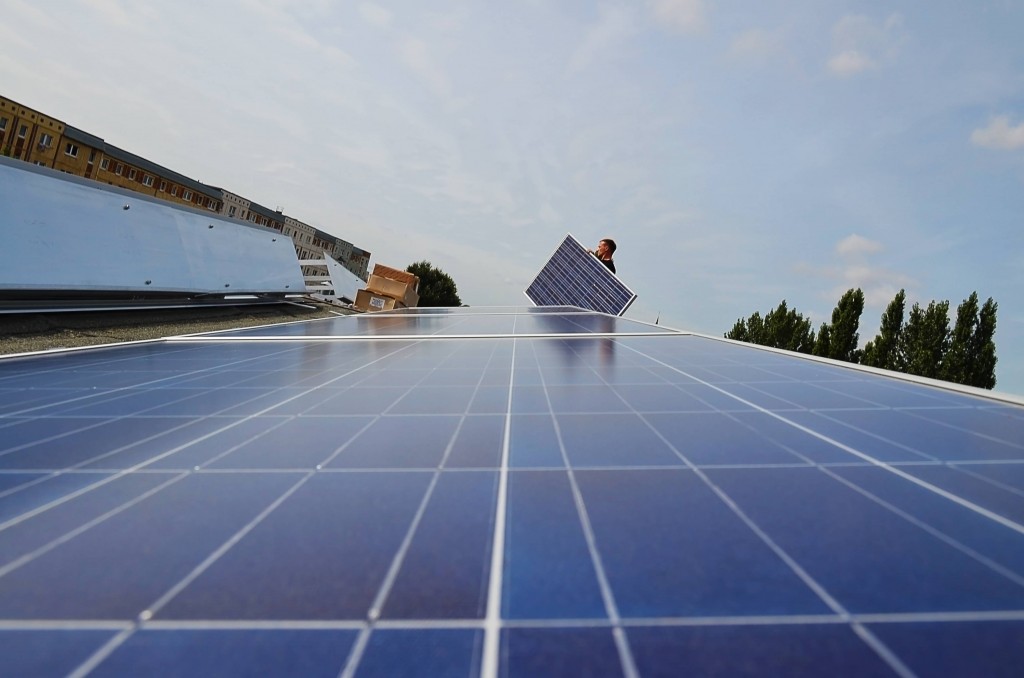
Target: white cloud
(375, 15)
(855, 245)
(756, 45)
(683, 16)
(549, 215)
(999, 134)
(614, 25)
(850, 62)
(112, 11)
(417, 56)
(857, 268)
(375, 158)
(860, 43)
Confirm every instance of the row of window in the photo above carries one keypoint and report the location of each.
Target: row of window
(148, 180)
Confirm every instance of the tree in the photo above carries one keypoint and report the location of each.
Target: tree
(923, 346)
(436, 287)
(884, 350)
(956, 364)
(925, 340)
(781, 327)
(840, 340)
(983, 348)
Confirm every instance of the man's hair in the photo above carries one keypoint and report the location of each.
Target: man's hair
(610, 243)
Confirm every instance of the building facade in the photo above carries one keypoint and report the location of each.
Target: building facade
(29, 135)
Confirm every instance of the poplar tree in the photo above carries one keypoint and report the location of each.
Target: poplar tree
(958, 362)
(839, 339)
(782, 327)
(925, 339)
(884, 350)
(983, 348)
(924, 345)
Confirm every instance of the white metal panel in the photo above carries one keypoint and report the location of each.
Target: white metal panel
(60, 233)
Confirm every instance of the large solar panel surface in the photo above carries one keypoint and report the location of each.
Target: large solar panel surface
(574, 277)
(456, 493)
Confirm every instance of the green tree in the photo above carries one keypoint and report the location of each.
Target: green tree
(957, 363)
(747, 330)
(923, 345)
(982, 372)
(843, 337)
(925, 340)
(823, 342)
(781, 327)
(884, 350)
(436, 287)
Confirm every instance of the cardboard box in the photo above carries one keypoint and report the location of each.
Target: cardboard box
(383, 271)
(371, 301)
(401, 291)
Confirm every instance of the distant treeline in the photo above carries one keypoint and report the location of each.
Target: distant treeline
(922, 344)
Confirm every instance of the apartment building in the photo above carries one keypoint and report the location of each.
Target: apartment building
(27, 134)
(30, 135)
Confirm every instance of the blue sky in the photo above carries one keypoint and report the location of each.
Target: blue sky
(740, 153)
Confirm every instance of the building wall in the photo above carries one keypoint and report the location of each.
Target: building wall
(29, 135)
(234, 206)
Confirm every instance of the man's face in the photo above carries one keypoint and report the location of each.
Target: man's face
(602, 250)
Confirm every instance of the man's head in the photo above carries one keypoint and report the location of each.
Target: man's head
(606, 246)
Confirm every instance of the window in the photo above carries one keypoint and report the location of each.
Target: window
(71, 149)
(132, 174)
(22, 131)
(92, 156)
(3, 124)
(118, 169)
(147, 180)
(105, 164)
(187, 195)
(45, 140)
(163, 186)
(174, 191)
(231, 211)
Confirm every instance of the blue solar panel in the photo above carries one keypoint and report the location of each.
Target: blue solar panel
(490, 493)
(574, 277)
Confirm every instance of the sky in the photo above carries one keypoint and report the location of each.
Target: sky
(740, 153)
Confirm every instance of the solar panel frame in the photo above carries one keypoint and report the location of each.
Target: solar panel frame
(600, 502)
(574, 277)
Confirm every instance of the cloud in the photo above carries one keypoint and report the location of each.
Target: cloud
(850, 62)
(112, 12)
(860, 44)
(681, 16)
(999, 135)
(756, 46)
(856, 269)
(416, 55)
(855, 245)
(614, 25)
(375, 15)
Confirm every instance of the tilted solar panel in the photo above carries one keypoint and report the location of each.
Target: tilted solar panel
(574, 277)
(598, 501)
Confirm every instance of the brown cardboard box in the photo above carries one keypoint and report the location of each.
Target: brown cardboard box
(394, 274)
(371, 301)
(393, 288)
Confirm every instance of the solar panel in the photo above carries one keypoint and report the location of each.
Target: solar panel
(619, 499)
(574, 277)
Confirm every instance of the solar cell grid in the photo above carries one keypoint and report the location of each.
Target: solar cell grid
(616, 501)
